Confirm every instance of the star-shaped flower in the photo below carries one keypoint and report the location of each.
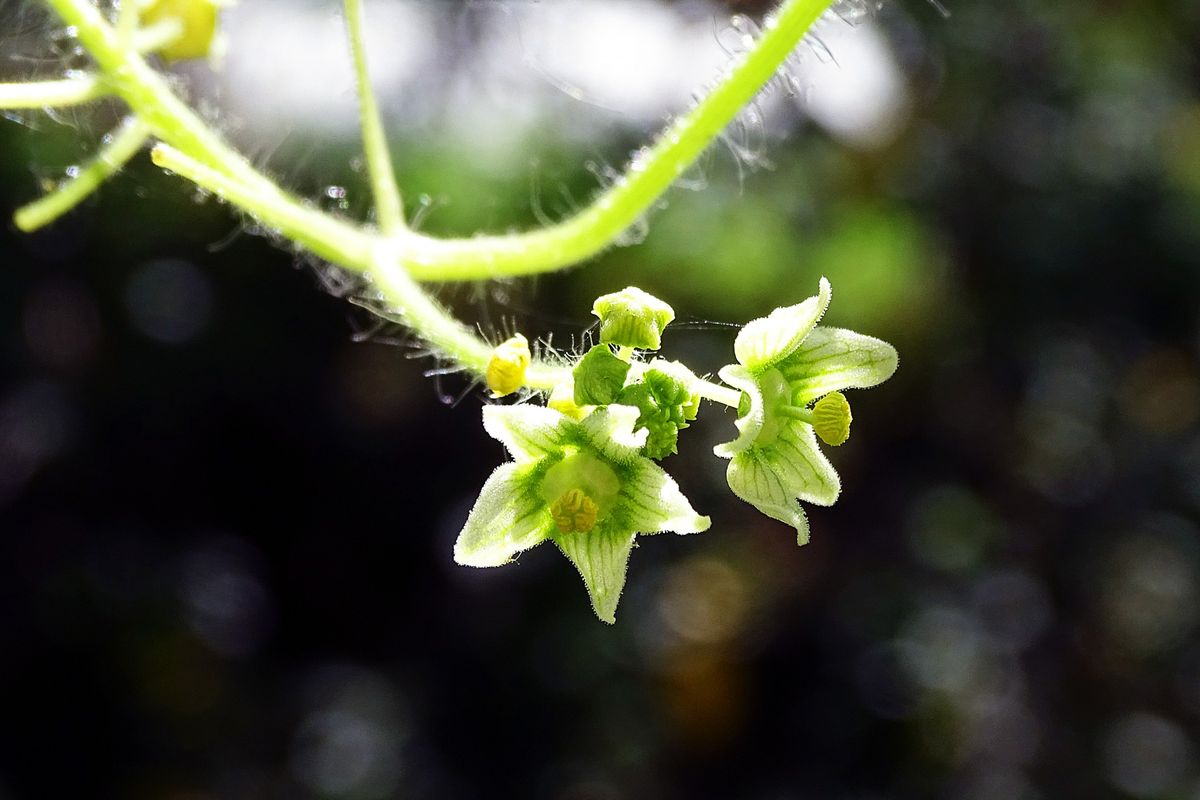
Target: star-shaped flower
(785, 363)
(582, 483)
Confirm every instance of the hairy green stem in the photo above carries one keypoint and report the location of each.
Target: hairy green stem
(427, 258)
(449, 336)
(52, 94)
(339, 242)
(319, 233)
(646, 178)
(148, 94)
(399, 257)
(389, 209)
(123, 143)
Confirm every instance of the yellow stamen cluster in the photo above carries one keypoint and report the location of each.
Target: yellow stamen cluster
(831, 418)
(506, 368)
(574, 512)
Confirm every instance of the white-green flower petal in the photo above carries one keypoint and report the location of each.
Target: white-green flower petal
(759, 485)
(769, 339)
(508, 517)
(527, 431)
(750, 424)
(831, 359)
(802, 468)
(653, 503)
(602, 556)
(610, 431)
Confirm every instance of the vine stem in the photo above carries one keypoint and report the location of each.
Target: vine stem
(399, 291)
(478, 257)
(398, 257)
(146, 92)
(389, 209)
(647, 176)
(52, 94)
(122, 145)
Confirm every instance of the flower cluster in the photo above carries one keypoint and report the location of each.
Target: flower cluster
(583, 473)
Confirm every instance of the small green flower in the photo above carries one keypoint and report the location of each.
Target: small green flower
(785, 363)
(582, 483)
(632, 318)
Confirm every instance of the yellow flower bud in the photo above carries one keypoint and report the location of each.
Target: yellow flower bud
(574, 512)
(199, 21)
(562, 400)
(832, 418)
(506, 368)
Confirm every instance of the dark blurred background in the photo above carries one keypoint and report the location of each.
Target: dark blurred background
(228, 497)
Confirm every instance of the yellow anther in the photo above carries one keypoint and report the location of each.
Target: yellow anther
(574, 512)
(506, 368)
(832, 418)
(199, 21)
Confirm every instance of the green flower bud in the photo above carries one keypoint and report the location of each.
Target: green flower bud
(632, 318)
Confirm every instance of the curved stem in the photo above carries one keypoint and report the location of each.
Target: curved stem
(646, 178)
(423, 314)
(326, 236)
(396, 260)
(149, 95)
(342, 243)
(427, 258)
(123, 144)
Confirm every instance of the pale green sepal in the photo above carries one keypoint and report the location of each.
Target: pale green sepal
(655, 504)
(760, 486)
(802, 468)
(599, 377)
(602, 558)
(750, 423)
(632, 318)
(508, 517)
(831, 359)
(528, 432)
(610, 431)
(769, 339)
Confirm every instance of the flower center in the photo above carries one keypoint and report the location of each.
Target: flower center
(579, 491)
(574, 512)
(776, 399)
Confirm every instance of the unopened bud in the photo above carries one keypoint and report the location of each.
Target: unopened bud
(506, 368)
(632, 318)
